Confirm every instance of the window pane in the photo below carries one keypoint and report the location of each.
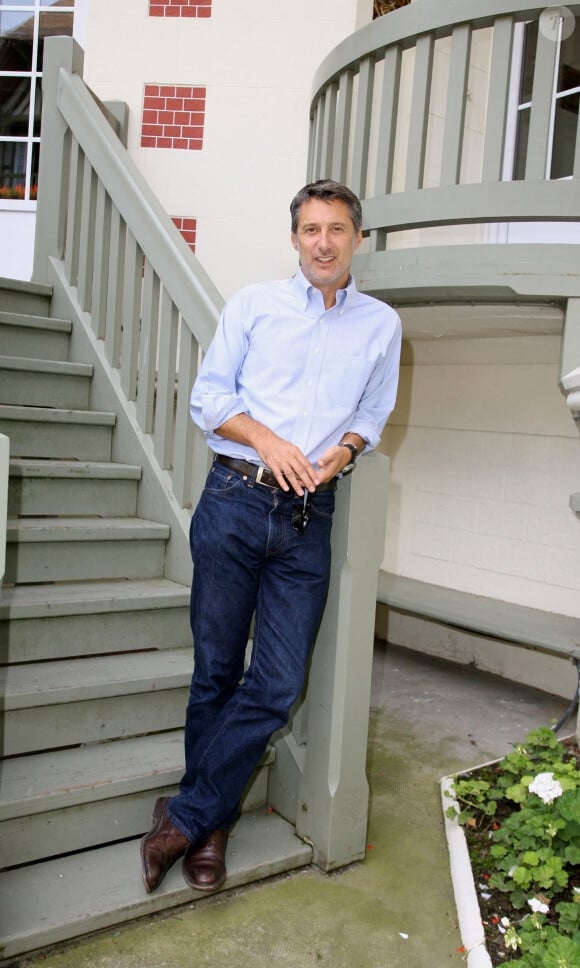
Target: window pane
(57, 3)
(53, 24)
(521, 143)
(16, 3)
(15, 41)
(569, 71)
(12, 169)
(565, 127)
(14, 105)
(528, 61)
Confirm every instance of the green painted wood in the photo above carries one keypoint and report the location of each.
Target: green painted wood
(471, 273)
(328, 135)
(71, 896)
(44, 383)
(333, 791)
(87, 236)
(388, 120)
(541, 109)
(518, 624)
(455, 107)
(148, 360)
(343, 120)
(422, 76)
(34, 336)
(165, 398)
(570, 357)
(73, 210)
(101, 262)
(44, 432)
(497, 99)
(362, 126)
(131, 317)
(71, 487)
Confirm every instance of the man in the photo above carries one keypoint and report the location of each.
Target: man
(298, 382)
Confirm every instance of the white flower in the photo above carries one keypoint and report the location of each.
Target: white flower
(546, 787)
(538, 906)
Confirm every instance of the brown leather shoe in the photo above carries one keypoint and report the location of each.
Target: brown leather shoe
(161, 847)
(204, 865)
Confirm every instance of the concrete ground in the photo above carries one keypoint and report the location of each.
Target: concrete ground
(396, 910)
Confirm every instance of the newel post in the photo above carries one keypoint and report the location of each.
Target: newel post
(54, 153)
(333, 793)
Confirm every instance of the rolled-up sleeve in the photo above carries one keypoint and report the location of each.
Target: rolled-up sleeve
(379, 397)
(214, 398)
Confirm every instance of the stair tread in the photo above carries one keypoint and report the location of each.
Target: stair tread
(51, 781)
(101, 887)
(84, 529)
(30, 321)
(63, 778)
(57, 367)
(76, 469)
(70, 598)
(54, 414)
(37, 684)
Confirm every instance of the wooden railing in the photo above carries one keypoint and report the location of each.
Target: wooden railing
(359, 135)
(149, 300)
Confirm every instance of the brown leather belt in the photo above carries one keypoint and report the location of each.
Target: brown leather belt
(262, 475)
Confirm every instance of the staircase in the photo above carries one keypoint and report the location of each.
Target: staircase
(96, 656)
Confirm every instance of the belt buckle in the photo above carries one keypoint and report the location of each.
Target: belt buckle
(259, 475)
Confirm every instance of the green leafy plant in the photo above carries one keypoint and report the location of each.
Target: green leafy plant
(523, 816)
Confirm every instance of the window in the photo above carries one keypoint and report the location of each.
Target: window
(23, 26)
(565, 99)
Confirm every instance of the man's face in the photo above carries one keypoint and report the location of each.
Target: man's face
(325, 240)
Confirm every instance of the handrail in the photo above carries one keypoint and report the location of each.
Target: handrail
(358, 134)
(4, 471)
(150, 302)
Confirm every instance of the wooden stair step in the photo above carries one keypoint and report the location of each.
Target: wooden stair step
(48, 487)
(62, 549)
(64, 898)
(64, 703)
(44, 383)
(34, 336)
(64, 681)
(68, 800)
(39, 432)
(19, 296)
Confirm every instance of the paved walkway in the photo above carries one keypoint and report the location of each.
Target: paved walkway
(395, 910)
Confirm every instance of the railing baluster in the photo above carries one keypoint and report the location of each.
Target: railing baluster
(113, 323)
(87, 236)
(148, 349)
(341, 131)
(184, 438)
(422, 76)
(327, 143)
(388, 120)
(455, 108)
(362, 128)
(131, 316)
(71, 255)
(166, 366)
(541, 109)
(320, 113)
(101, 266)
(497, 99)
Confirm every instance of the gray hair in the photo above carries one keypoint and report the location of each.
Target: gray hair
(327, 190)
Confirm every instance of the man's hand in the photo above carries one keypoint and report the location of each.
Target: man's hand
(332, 462)
(286, 461)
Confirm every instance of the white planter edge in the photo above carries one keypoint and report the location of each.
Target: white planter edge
(466, 901)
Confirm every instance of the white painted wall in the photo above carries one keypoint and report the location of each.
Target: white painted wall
(17, 239)
(257, 60)
(484, 459)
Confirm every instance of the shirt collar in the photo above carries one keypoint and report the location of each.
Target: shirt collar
(305, 291)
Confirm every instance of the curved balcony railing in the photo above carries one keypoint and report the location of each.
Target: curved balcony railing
(386, 120)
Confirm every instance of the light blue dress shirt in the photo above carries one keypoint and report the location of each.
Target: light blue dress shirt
(309, 374)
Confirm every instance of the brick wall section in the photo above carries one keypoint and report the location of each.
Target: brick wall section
(188, 228)
(180, 8)
(173, 117)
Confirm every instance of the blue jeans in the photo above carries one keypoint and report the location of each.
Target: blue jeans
(247, 558)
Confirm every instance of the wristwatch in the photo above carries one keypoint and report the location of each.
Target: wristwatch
(352, 462)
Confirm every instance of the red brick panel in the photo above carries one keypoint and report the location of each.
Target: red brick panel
(180, 8)
(188, 228)
(173, 117)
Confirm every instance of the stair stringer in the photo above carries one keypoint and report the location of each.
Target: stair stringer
(156, 500)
